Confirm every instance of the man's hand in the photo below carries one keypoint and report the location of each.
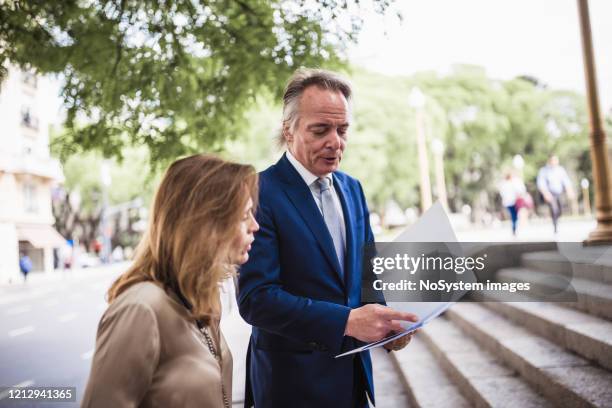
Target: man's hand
(547, 196)
(400, 343)
(373, 322)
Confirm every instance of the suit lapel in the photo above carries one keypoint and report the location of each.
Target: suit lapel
(301, 197)
(349, 217)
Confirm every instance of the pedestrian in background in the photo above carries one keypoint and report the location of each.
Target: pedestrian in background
(512, 191)
(552, 182)
(159, 343)
(25, 265)
(66, 255)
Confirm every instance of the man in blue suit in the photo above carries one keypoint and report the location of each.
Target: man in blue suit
(301, 288)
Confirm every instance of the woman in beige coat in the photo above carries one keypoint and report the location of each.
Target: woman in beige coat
(159, 343)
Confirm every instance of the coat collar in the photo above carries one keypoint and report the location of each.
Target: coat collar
(301, 197)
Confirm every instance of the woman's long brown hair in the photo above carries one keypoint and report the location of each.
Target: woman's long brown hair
(195, 218)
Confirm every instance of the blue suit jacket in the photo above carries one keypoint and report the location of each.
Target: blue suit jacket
(293, 294)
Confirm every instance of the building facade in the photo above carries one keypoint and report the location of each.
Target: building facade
(27, 175)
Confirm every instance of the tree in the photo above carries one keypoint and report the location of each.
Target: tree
(175, 76)
(131, 179)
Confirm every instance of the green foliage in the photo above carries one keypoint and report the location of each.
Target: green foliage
(381, 150)
(175, 76)
(485, 123)
(130, 179)
(255, 142)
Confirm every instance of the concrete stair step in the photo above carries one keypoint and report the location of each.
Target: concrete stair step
(585, 263)
(481, 377)
(592, 297)
(564, 378)
(426, 383)
(584, 334)
(391, 391)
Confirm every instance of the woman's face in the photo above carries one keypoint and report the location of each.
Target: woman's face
(244, 237)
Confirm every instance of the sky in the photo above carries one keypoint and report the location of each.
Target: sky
(507, 37)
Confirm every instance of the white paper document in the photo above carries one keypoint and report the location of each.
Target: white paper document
(434, 309)
(433, 226)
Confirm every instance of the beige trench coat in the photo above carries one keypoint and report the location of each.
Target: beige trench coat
(149, 353)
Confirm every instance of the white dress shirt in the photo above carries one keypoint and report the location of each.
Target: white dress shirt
(510, 191)
(311, 181)
(553, 179)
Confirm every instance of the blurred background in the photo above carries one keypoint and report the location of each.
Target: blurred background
(98, 97)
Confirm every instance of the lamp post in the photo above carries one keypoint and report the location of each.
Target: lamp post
(584, 183)
(74, 198)
(519, 164)
(602, 176)
(553, 129)
(417, 102)
(106, 180)
(437, 148)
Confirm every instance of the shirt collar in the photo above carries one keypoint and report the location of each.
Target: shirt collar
(306, 175)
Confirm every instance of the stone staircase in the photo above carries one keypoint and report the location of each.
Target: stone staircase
(520, 354)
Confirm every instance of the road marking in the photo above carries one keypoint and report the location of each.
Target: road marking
(99, 286)
(51, 302)
(20, 331)
(87, 355)
(67, 317)
(18, 310)
(19, 297)
(24, 384)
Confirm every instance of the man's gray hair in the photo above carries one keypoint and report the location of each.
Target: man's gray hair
(299, 81)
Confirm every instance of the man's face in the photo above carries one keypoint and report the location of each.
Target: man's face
(553, 161)
(320, 135)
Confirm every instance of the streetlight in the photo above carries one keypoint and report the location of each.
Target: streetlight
(437, 147)
(106, 180)
(519, 164)
(584, 183)
(416, 101)
(74, 198)
(553, 129)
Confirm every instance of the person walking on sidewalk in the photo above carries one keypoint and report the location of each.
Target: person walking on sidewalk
(512, 190)
(552, 182)
(25, 265)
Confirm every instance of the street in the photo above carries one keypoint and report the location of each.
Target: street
(48, 329)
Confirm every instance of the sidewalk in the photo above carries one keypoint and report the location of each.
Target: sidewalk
(39, 284)
(36, 279)
(535, 230)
